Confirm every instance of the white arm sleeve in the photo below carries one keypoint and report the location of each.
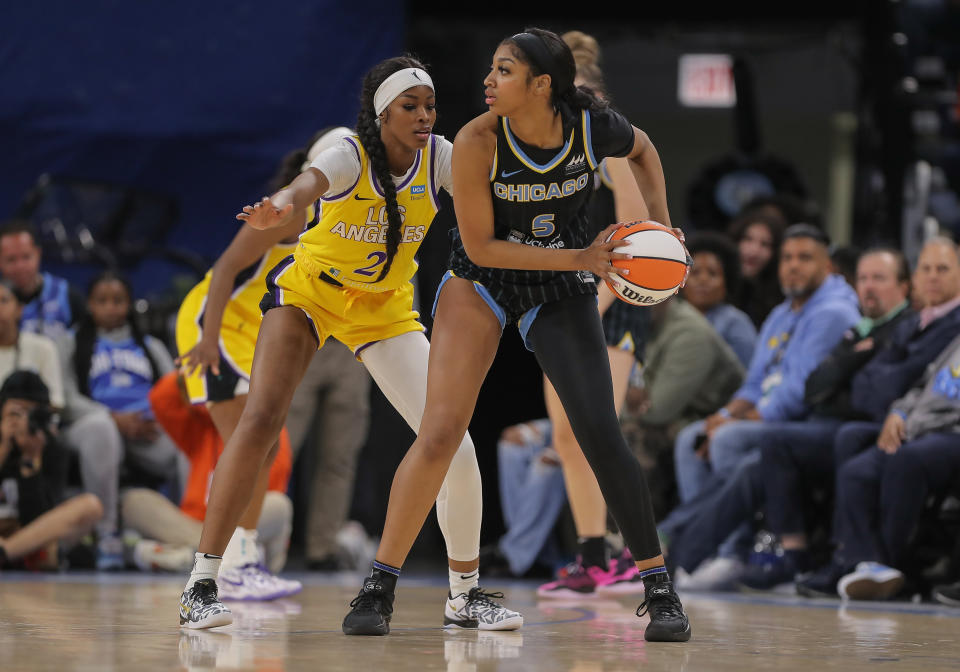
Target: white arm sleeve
(340, 165)
(441, 164)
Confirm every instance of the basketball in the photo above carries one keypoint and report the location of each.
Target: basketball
(657, 268)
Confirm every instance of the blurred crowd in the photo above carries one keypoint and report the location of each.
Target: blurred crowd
(797, 412)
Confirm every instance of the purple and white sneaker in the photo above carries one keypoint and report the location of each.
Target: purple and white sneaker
(254, 582)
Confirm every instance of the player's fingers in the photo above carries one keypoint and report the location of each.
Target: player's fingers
(607, 232)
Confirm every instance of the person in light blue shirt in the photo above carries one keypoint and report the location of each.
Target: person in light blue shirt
(796, 336)
(714, 277)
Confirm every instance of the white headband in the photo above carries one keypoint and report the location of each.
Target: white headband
(396, 84)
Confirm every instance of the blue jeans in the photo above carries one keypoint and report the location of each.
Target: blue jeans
(532, 494)
(732, 444)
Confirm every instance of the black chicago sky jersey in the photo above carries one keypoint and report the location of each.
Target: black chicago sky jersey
(540, 198)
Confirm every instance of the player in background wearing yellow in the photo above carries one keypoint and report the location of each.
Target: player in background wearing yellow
(349, 278)
(217, 327)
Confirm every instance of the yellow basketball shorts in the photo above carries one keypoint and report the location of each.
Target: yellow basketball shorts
(238, 336)
(354, 317)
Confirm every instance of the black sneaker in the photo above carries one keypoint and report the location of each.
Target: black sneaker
(370, 611)
(949, 595)
(201, 608)
(821, 583)
(668, 623)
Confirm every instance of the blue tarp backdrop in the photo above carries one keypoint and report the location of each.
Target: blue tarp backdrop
(198, 100)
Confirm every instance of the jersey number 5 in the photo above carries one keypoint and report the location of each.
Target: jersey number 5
(543, 226)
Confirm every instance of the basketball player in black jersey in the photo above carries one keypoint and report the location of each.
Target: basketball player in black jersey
(522, 173)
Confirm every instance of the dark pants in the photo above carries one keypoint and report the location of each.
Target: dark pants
(796, 459)
(569, 344)
(881, 497)
(705, 522)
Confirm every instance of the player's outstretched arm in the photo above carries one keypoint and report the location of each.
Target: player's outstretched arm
(288, 204)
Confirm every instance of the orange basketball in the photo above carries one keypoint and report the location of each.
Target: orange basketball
(658, 265)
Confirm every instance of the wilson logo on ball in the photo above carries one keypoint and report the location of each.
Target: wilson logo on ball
(657, 267)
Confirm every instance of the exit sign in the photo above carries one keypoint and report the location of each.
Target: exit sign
(706, 80)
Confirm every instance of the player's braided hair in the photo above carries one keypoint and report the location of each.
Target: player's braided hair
(369, 134)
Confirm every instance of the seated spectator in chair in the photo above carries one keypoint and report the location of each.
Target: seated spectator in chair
(171, 534)
(796, 337)
(851, 395)
(882, 288)
(50, 306)
(112, 368)
(34, 518)
(23, 350)
(881, 493)
(714, 278)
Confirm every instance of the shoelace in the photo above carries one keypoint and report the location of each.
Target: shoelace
(478, 595)
(372, 599)
(661, 604)
(204, 591)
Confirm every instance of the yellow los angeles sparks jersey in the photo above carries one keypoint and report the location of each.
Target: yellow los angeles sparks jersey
(238, 330)
(349, 242)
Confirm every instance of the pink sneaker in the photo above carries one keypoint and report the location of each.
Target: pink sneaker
(623, 577)
(578, 582)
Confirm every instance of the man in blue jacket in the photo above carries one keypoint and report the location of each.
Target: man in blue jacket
(796, 336)
(798, 457)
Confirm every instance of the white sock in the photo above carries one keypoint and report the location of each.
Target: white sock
(242, 549)
(462, 582)
(205, 566)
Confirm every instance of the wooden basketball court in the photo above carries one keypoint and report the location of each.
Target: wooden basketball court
(129, 622)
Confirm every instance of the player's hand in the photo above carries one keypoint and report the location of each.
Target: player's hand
(204, 356)
(893, 433)
(599, 257)
(264, 214)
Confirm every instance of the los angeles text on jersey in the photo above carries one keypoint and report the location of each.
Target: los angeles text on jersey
(525, 193)
(374, 230)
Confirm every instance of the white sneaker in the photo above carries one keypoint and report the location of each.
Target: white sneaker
(153, 556)
(870, 581)
(716, 574)
(476, 610)
(254, 582)
(200, 607)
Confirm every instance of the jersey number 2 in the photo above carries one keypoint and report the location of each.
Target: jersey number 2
(368, 270)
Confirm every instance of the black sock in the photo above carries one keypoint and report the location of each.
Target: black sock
(386, 575)
(593, 552)
(654, 575)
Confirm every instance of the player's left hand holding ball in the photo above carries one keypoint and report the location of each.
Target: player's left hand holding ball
(264, 214)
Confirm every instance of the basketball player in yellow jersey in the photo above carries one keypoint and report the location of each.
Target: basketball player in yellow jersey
(217, 327)
(349, 278)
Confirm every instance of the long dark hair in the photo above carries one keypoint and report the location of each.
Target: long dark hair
(555, 59)
(86, 337)
(291, 163)
(369, 134)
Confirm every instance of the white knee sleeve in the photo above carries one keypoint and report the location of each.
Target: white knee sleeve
(399, 367)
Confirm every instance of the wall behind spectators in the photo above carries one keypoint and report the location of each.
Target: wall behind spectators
(198, 100)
